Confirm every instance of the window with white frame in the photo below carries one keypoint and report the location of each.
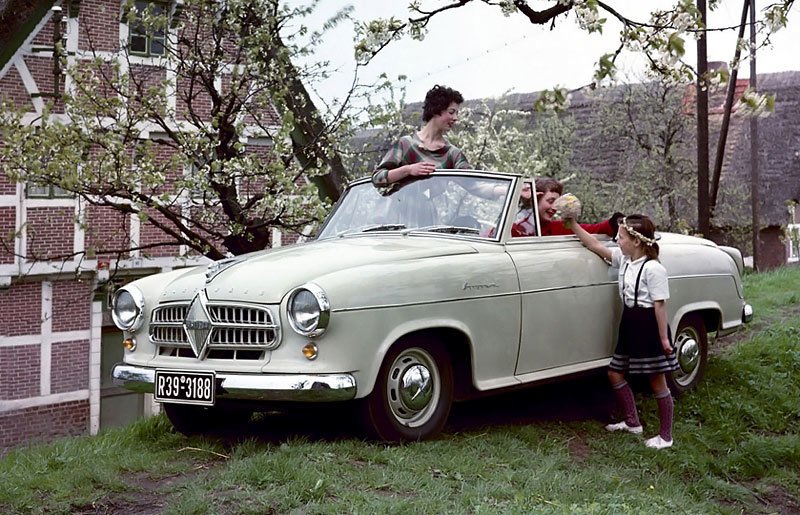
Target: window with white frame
(46, 191)
(148, 38)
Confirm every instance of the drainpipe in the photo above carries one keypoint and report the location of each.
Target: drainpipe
(755, 196)
(703, 222)
(57, 17)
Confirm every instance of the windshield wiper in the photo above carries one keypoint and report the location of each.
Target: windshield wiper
(384, 227)
(450, 229)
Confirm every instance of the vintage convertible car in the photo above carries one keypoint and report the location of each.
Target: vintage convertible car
(408, 300)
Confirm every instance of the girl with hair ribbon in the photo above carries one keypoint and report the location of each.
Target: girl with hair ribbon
(644, 344)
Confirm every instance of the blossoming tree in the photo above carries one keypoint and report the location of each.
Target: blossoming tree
(214, 138)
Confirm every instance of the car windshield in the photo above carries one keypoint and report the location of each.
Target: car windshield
(440, 203)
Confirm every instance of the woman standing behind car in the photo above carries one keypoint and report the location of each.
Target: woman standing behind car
(419, 154)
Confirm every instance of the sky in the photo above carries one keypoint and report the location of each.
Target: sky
(481, 53)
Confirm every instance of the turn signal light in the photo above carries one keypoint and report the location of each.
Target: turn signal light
(129, 344)
(310, 351)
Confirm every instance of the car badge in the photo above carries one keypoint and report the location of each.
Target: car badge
(197, 326)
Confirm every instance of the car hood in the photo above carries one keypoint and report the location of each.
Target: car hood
(268, 275)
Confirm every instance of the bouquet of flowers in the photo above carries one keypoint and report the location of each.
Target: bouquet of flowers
(567, 207)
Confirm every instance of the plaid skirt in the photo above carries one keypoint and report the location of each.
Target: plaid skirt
(639, 348)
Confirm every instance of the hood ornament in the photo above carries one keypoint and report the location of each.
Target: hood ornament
(217, 267)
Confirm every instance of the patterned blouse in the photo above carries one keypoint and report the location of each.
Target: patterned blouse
(409, 150)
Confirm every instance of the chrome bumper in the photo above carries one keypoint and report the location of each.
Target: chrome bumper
(256, 387)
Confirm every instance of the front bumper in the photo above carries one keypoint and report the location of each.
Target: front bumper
(256, 387)
(747, 313)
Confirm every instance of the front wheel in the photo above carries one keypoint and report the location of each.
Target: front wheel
(413, 393)
(691, 349)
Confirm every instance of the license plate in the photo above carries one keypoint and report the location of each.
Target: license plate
(185, 387)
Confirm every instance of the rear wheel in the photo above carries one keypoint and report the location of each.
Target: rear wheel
(195, 420)
(413, 393)
(691, 349)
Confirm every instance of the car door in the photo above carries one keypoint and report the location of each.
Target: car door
(569, 303)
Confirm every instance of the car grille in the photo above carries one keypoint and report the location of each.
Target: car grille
(238, 331)
(166, 325)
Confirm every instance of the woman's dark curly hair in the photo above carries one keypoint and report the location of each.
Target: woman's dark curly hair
(438, 99)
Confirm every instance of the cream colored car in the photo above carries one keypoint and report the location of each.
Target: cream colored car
(407, 301)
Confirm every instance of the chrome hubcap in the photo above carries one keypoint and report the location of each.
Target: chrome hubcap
(688, 354)
(413, 387)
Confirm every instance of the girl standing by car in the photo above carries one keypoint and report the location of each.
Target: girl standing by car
(644, 345)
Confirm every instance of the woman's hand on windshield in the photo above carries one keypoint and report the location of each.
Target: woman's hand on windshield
(422, 168)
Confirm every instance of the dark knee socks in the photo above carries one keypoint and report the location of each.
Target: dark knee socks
(625, 399)
(665, 407)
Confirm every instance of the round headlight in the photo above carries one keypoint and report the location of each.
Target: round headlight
(128, 307)
(308, 310)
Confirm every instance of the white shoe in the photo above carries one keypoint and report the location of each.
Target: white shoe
(622, 426)
(658, 443)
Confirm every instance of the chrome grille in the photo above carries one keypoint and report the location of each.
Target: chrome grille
(168, 334)
(166, 325)
(169, 314)
(239, 315)
(235, 327)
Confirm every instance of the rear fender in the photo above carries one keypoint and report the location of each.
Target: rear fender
(736, 256)
(708, 310)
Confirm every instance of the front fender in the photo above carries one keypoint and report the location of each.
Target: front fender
(397, 333)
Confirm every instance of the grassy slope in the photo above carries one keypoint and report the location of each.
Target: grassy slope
(737, 449)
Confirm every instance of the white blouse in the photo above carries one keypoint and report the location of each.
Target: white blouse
(653, 285)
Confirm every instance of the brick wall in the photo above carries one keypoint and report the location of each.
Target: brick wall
(41, 69)
(193, 95)
(42, 422)
(289, 238)
(45, 36)
(98, 72)
(13, 90)
(50, 232)
(172, 174)
(7, 231)
(107, 229)
(72, 301)
(70, 366)
(20, 309)
(772, 253)
(147, 81)
(149, 234)
(20, 377)
(7, 187)
(99, 25)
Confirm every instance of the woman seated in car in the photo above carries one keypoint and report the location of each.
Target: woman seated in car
(547, 191)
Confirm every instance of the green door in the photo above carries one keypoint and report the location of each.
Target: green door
(118, 406)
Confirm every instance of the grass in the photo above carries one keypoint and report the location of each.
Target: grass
(737, 450)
